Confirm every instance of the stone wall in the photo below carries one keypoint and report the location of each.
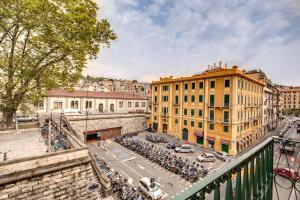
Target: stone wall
(61, 175)
(129, 123)
(68, 183)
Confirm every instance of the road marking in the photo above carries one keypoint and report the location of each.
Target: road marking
(124, 164)
(128, 159)
(141, 167)
(130, 180)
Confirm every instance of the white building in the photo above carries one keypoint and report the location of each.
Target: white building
(92, 102)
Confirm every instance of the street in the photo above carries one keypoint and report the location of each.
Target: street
(282, 187)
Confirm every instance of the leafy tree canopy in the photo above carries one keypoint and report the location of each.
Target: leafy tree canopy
(45, 44)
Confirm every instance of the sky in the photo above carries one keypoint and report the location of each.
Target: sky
(159, 38)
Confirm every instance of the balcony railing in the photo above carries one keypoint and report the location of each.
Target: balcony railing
(252, 172)
(256, 175)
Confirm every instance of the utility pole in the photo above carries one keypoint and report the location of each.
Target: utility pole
(49, 135)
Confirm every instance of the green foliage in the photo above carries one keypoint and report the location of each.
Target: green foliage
(45, 44)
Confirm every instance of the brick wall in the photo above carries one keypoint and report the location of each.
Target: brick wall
(68, 183)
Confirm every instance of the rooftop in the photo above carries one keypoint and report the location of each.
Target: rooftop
(212, 72)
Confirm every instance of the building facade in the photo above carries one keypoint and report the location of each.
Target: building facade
(220, 108)
(289, 99)
(271, 111)
(92, 102)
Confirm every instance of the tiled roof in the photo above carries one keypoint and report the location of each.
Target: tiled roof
(92, 94)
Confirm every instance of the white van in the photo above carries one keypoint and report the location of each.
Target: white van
(71, 112)
(152, 191)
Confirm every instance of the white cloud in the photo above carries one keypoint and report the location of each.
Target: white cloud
(180, 37)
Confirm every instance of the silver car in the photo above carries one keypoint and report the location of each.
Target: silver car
(26, 118)
(206, 157)
(185, 148)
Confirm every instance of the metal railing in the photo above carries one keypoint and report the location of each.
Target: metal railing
(268, 171)
(252, 172)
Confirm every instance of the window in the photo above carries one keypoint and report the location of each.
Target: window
(201, 85)
(239, 83)
(185, 111)
(199, 124)
(74, 104)
(155, 99)
(121, 104)
(155, 108)
(155, 88)
(185, 122)
(112, 107)
(137, 104)
(192, 123)
(57, 105)
(165, 88)
(200, 98)
(212, 84)
(226, 100)
(185, 98)
(200, 113)
(129, 104)
(176, 111)
(88, 104)
(143, 104)
(165, 98)
(193, 98)
(211, 115)
(193, 86)
(176, 100)
(176, 86)
(227, 83)
(165, 110)
(176, 121)
(212, 100)
(211, 126)
(225, 129)
(192, 112)
(186, 86)
(226, 116)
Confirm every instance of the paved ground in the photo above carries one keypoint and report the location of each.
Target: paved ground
(134, 167)
(23, 144)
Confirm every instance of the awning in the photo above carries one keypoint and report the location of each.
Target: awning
(210, 139)
(225, 142)
(198, 133)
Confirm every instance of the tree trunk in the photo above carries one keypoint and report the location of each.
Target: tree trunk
(8, 117)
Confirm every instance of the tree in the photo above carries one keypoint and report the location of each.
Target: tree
(45, 44)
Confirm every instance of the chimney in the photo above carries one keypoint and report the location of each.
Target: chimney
(225, 65)
(208, 67)
(220, 64)
(214, 65)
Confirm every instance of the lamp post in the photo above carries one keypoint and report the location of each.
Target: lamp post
(86, 109)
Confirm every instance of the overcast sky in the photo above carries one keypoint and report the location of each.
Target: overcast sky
(181, 37)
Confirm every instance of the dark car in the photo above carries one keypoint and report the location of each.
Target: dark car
(286, 149)
(172, 145)
(287, 173)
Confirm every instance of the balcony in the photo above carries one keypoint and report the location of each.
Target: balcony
(251, 176)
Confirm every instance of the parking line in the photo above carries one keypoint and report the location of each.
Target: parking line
(128, 159)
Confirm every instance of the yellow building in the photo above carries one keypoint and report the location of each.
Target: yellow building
(220, 108)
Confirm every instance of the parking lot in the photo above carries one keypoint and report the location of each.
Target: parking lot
(133, 166)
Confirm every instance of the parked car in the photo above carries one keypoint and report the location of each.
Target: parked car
(298, 128)
(185, 148)
(26, 118)
(286, 149)
(172, 145)
(287, 173)
(206, 157)
(223, 156)
(150, 189)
